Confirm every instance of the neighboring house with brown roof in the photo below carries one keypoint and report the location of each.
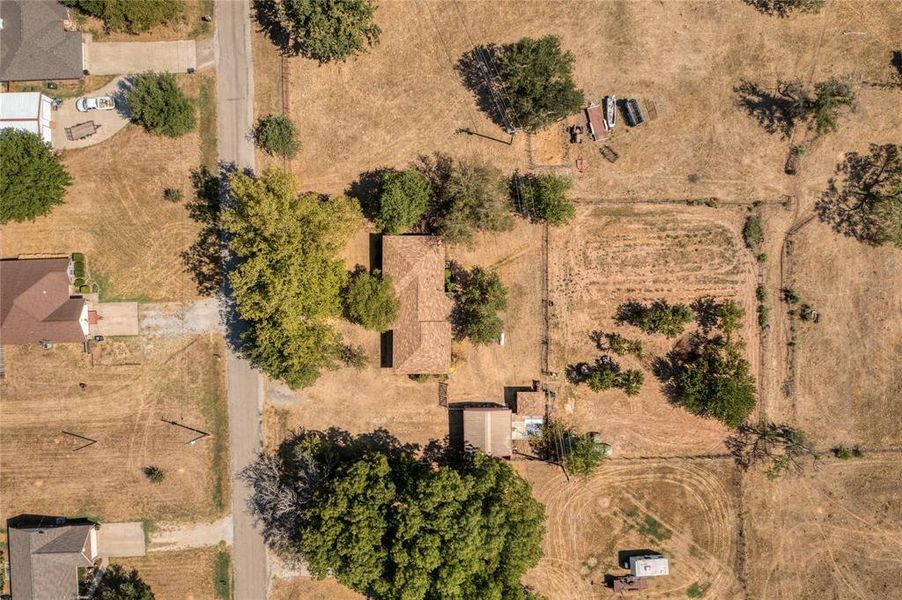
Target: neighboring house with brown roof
(44, 556)
(35, 43)
(489, 429)
(36, 302)
(421, 336)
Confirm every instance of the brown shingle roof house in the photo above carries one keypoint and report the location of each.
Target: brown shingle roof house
(489, 429)
(44, 556)
(421, 337)
(35, 44)
(35, 304)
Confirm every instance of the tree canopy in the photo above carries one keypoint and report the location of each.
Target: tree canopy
(524, 85)
(32, 179)
(288, 280)
(657, 317)
(865, 199)
(468, 196)
(784, 8)
(370, 300)
(158, 105)
(322, 30)
(277, 135)
(794, 103)
(403, 200)
(780, 447)
(389, 522)
(478, 299)
(542, 197)
(120, 584)
(131, 16)
(711, 378)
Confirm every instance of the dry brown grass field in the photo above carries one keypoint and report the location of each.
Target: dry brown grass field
(683, 508)
(833, 533)
(115, 214)
(305, 588)
(182, 575)
(132, 385)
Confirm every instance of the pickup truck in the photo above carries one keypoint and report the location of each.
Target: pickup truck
(97, 103)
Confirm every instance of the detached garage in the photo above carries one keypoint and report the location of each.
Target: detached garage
(27, 111)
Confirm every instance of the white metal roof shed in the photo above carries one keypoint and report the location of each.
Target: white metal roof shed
(27, 111)
(650, 565)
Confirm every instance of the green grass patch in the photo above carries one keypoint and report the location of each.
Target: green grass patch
(222, 574)
(697, 590)
(148, 526)
(107, 293)
(216, 411)
(206, 104)
(652, 529)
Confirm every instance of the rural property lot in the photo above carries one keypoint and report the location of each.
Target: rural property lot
(184, 575)
(833, 533)
(683, 508)
(133, 384)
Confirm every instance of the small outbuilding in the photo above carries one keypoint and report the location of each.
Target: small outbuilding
(529, 414)
(27, 111)
(649, 565)
(489, 429)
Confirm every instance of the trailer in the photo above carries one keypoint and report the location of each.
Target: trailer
(633, 113)
(628, 583)
(595, 119)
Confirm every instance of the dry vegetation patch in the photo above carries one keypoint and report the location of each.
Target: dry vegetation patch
(133, 384)
(181, 575)
(685, 509)
(832, 533)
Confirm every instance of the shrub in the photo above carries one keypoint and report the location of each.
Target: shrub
(479, 299)
(763, 316)
(32, 178)
(370, 300)
(761, 257)
(630, 381)
(173, 195)
(403, 200)
(761, 293)
(129, 15)
(277, 135)
(618, 344)
(846, 453)
(542, 197)
(78, 268)
(119, 584)
(752, 233)
(354, 356)
(790, 296)
(783, 8)
(84, 289)
(158, 105)
(78, 282)
(580, 454)
(658, 317)
(154, 474)
(830, 96)
(323, 30)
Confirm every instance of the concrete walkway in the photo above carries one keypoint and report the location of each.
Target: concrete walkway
(110, 122)
(180, 537)
(118, 58)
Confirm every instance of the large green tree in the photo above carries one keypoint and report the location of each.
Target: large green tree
(658, 317)
(403, 199)
(323, 30)
(865, 199)
(277, 135)
(711, 378)
(370, 300)
(480, 296)
(390, 523)
(158, 105)
(32, 179)
(132, 16)
(559, 442)
(288, 280)
(120, 584)
(468, 197)
(536, 84)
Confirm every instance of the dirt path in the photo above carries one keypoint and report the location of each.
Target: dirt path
(178, 318)
(183, 537)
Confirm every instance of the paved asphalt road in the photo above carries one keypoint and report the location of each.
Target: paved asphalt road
(235, 114)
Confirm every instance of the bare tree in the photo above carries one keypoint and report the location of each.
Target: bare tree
(780, 447)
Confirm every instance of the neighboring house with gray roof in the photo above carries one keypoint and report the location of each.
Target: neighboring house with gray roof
(45, 554)
(36, 42)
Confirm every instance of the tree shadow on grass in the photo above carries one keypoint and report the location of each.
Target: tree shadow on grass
(775, 111)
(267, 15)
(478, 72)
(204, 258)
(366, 190)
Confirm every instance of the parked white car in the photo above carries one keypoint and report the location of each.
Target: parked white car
(97, 103)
